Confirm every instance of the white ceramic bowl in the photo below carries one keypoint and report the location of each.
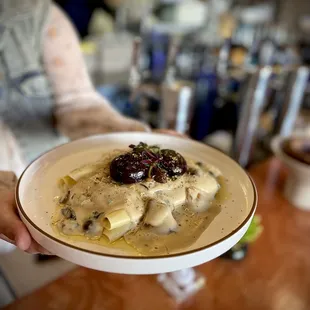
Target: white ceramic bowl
(37, 188)
(297, 186)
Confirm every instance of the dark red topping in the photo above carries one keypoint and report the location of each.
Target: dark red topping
(147, 162)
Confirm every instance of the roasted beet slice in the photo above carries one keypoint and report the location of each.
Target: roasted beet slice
(173, 162)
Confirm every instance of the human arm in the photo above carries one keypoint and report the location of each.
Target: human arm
(12, 229)
(79, 110)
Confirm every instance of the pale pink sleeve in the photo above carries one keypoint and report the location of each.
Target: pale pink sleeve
(11, 160)
(11, 165)
(79, 109)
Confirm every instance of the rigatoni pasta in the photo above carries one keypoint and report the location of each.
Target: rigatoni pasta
(79, 173)
(156, 213)
(116, 219)
(146, 196)
(116, 233)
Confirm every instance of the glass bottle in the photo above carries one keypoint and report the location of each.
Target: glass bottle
(206, 93)
(176, 96)
(134, 81)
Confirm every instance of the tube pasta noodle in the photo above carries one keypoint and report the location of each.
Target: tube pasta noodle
(168, 225)
(116, 233)
(147, 213)
(82, 172)
(116, 219)
(156, 213)
(66, 182)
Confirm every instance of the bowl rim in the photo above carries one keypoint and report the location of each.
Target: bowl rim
(118, 256)
(277, 148)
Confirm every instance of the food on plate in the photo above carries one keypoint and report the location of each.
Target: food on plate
(153, 198)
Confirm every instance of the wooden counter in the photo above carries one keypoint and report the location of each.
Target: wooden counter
(275, 275)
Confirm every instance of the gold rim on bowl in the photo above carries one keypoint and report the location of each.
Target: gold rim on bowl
(20, 207)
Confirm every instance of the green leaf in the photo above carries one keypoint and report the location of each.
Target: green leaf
(254, 231)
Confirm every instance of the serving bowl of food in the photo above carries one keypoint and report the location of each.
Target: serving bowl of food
(294, 152)
(136, 203)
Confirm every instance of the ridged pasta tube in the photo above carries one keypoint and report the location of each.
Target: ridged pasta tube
(168, 225)
(156, 214)
(116, 219)
(82, 172)
(117, 233)
(66, 183)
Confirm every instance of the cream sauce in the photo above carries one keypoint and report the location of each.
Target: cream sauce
(98, 193)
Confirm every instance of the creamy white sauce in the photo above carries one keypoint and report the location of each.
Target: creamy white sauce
(188, 198)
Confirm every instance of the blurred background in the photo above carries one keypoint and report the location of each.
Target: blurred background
(193, 65)
(230, 73)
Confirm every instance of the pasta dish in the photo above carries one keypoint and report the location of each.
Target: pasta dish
(153, 198)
